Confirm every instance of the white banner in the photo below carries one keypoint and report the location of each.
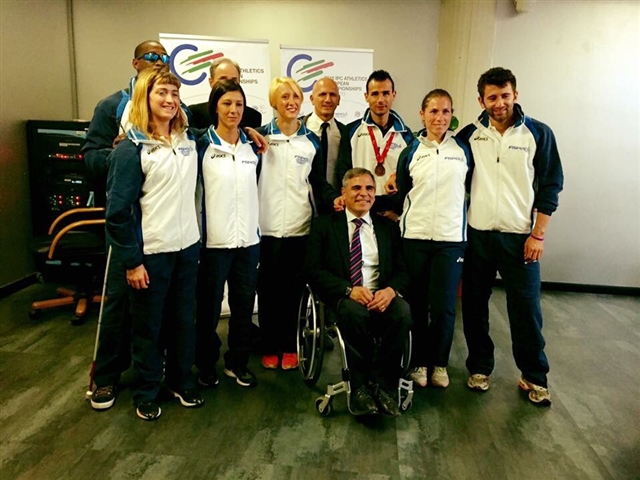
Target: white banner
(349, 67)
(191, 56)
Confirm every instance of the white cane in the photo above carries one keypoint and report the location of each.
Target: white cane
(95, 348)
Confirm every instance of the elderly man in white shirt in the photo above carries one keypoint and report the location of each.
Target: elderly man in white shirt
(325, 98)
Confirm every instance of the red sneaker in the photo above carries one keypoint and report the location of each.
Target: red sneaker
(289, 361)
(270, 361)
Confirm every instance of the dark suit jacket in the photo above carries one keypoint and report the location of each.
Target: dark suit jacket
(324, 207)
(327, 262)
(201, 118)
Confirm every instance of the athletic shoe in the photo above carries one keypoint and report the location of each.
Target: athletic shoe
(440, 377)
(148, 410)
(190, 398)
(478, 382)
(419, 376)
(289, 361)
(244, 377)
(208, 380)
(103, 398)
(270, 361)
(537, 394)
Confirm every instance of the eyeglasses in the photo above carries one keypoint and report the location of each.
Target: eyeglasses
(154, 57)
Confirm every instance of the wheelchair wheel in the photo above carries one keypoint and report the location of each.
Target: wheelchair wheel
(310, 338)
(404, 407)
(328, 408)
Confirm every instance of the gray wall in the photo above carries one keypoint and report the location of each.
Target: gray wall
(578, 70)
(403, 34)
(576, 63)
(35, 84)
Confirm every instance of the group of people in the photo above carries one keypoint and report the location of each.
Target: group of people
(378, 221)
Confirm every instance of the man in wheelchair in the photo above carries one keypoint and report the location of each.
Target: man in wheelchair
(355, 265)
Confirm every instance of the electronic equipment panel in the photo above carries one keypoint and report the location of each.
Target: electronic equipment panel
(57, 173)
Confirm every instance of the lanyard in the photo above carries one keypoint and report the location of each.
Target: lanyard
(380, 157)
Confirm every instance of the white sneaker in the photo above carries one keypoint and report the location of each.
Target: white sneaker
(478, 382)
(439, 377)
(419, 376)
(537, 394)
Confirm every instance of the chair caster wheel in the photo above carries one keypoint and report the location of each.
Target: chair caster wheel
(404, 407)
(328, 408)
(35, 314)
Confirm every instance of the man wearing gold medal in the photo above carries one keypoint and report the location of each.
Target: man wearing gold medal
(375, 141)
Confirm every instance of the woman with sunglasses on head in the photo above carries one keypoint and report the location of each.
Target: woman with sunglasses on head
(432, 176)
(151, 217)
(291, 181)
(230, 237)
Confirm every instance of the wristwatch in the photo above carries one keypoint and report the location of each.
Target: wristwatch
(347, 291)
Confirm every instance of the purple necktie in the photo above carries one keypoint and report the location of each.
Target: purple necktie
(355, 255)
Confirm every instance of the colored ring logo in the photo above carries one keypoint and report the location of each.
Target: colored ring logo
(304, 70)
(192, 64)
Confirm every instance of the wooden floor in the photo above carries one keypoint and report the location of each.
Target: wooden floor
(592, 430)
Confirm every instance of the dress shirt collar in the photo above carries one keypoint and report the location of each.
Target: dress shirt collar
(314, 122)
(351, 216)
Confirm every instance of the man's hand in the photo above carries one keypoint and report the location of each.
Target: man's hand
(138, 277)
(258, 139)
(390, 214)
(338, 204)
(391, 186)
(382, 299)
(533, 250)
(361, 295)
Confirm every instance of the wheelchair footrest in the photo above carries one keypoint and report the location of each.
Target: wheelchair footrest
(405, 393)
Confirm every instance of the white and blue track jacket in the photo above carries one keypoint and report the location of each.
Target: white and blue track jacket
(230, 205)
(431, 179)
(356, 149)
(514, 173)
(151, 204)
(291, 174)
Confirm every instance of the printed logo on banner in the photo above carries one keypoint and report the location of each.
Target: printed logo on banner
(189, 69)
(305, 70)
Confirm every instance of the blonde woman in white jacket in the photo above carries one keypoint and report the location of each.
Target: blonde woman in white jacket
(292, 182)
(152, 222)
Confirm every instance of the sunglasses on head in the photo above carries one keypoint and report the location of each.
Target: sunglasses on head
(154, 57)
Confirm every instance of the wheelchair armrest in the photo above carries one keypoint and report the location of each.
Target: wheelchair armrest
(72, 226)
(73, 211)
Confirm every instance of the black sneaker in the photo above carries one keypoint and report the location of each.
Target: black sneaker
(148, 410)
(387, 405)
(244, 377)
(189, 398)
(362, 403)
(208, 380)
(103, 398)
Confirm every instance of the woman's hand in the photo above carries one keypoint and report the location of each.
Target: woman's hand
(391, 186)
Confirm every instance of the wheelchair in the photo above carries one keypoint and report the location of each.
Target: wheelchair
(313, 325)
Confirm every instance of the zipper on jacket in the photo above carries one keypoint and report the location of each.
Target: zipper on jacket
(177, 170)
(435, 195)
(237, 174)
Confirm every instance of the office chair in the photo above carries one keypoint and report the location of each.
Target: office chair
(73, 250)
